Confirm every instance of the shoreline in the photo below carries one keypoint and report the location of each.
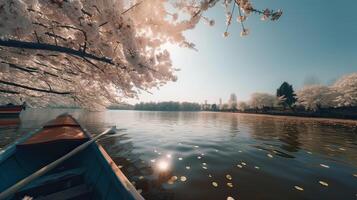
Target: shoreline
(324, 119)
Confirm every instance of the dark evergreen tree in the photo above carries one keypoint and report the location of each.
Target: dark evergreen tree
(287, 94)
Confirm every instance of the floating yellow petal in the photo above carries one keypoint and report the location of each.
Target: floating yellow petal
(229, 177)
(299, 188)
(325, 166)
(230, 184)
(183, 178)
(215, 184)
(323, 183)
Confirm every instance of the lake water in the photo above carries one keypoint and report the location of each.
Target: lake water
(203, 155)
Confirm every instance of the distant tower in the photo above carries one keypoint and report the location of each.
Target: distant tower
(220, 103)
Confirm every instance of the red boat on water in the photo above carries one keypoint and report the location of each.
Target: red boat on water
(11, 110)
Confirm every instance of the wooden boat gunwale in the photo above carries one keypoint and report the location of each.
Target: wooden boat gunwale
(114, 168)
(11, 149)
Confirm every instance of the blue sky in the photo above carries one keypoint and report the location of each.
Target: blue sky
(313, 38)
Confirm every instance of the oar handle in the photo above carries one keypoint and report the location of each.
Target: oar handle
(14, 188)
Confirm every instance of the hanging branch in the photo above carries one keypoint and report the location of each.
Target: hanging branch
(33, 88)
(50, 47)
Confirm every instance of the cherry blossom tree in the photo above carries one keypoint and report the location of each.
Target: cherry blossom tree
(347, 89)
(242, 106)
(93, 53)
(261, 100)
(315, 97)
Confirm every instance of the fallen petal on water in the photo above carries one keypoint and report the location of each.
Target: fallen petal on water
(209, 175)
(355, 175)
(325, 166)
(256, 167)
(183, 178)
(229, 177)
(180, 158)
(299, 188)
(120, 166)
(230, 184)
(188, 167)
(204, 163)
(323, 183)
(199, 157)
(153, 160)
(204, 167)
(141, 177)
(230, 198)
(269, 155)
(309, 152)
(240, 166)
(215, 184)
(243, 163)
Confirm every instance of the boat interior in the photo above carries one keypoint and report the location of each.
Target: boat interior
(87, 175)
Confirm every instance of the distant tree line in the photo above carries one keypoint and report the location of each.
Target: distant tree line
(168, 106)
(337, 100)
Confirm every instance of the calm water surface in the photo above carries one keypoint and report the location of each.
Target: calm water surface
(189, 156)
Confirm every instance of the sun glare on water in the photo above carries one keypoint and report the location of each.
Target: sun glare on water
(163, 165)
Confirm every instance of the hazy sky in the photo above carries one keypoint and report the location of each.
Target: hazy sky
(314, 39)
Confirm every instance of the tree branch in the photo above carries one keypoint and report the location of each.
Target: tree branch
(50, 47)
(9, 91)
(33, 88)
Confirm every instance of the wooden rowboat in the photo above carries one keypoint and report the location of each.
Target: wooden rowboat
(10, 110)
(61, 161)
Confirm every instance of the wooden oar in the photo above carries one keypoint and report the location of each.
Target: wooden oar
(13, 189)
